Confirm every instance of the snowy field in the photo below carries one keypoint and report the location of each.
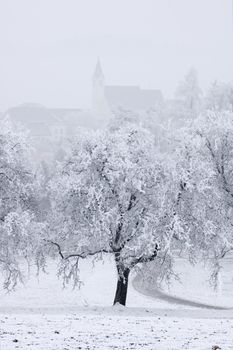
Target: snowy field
(114, 330)
(196, 284)
(194, 287)
(43, 316)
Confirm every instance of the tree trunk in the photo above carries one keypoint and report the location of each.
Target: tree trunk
(122, 286)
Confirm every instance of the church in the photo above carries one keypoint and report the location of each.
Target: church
(50, 127)
(108, 98)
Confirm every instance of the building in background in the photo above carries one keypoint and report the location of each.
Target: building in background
(51, 128)
(108, 98)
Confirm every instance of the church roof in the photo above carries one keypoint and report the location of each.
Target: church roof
(132, 97)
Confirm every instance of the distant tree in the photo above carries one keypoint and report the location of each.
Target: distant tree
(18, 204)
(220, 97)
(112, 195)
(190, 93)
(123, 117)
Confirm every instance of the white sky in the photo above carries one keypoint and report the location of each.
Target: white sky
(48, 48)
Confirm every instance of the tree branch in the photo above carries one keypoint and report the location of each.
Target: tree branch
(82, 255)
(145, 259)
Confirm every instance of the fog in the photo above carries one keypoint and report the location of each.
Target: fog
(49, 48)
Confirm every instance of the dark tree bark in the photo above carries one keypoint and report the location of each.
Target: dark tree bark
(122, 286)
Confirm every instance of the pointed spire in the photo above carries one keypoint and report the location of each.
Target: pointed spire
(98, 73)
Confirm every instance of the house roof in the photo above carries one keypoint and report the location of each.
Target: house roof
(39, 119)
(32, 113)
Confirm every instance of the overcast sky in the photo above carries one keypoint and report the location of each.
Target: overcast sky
(48, 48)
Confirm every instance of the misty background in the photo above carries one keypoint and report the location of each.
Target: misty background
(49, 48)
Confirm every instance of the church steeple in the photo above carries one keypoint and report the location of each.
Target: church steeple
(100, 106)
(98, 76)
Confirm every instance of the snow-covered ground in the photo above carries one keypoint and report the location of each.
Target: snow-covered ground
(115, 330)
(193, 286)
(196, 283)
(46, 291)
(43, 316)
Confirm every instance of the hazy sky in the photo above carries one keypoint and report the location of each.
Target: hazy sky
(48, 48)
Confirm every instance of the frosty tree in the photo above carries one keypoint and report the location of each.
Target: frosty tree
(190, 92)
(205, 167)
(112, 195)
(17, 204)
(220, 97)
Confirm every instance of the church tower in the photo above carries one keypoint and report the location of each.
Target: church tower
(100, 108)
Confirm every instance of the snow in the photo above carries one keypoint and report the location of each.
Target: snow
(196, 283)
(43, 316)
(99, 283)
(193, 287)
(115, 331)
